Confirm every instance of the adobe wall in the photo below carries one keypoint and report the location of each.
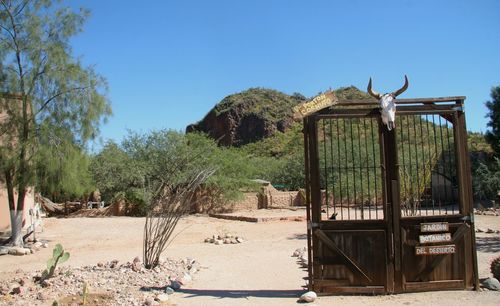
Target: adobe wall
(4, 209)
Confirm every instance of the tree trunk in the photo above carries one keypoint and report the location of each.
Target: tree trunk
(16, 221)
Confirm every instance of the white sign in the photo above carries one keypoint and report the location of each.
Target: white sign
(435, 249)
(445, 237)
(434, 227)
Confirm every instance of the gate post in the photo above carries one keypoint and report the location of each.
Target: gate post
(393, 210)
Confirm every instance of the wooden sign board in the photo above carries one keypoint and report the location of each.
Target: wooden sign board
(318, 103)
(434, 227)
(435, 249)
(443, 237)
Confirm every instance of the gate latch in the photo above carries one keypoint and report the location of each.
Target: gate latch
(468, 218)
(312, 225)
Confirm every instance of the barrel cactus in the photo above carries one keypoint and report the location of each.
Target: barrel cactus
(495, 267)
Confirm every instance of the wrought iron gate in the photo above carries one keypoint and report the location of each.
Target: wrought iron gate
(389, 211)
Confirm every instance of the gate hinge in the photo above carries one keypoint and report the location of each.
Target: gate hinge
(312, 225)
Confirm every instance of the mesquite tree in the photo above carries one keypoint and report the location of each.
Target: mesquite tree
(49, 90)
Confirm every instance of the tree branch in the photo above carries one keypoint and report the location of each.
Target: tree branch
(46, 103)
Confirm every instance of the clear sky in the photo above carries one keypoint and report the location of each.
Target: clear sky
(169, 62)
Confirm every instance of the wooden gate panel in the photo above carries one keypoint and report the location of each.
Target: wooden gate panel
(435, 268)
(343, 259)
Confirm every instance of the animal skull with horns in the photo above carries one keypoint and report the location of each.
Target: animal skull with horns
(387, 105)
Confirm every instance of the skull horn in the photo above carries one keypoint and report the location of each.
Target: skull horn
(372, 93)
(402, 89)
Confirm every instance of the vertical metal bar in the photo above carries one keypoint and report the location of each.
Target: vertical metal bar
(438, 161)
(403, 168)
(340, 173)
(425, 162)
(325, 161)
(361, 173)
(353, 171)
(427, 123)
(347, 172)
(417, 165)
(375, 167)
(367, 169)
(452, 165)
(443, 158)
(410, 166)
(331, 168)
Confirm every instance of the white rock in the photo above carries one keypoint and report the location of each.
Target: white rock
(308, 297)
(218, 242)
(19, 251)
(239, 240)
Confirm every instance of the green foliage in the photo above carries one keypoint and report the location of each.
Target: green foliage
(267, 103)
(493, 136)
(62, 171)
(495, 267)
(486, 180)
(58, 257)
(131, 170)
(50, 89)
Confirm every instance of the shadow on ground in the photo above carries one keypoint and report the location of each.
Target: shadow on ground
(488, 244)
(238, 294)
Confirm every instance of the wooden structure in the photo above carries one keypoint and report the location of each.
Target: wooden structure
(390, 223)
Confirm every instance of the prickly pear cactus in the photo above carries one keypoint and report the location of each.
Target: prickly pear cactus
(58, 256)
(495, 268)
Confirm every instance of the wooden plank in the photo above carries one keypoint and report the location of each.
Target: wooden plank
(332, 282)
(350, 290)
(438, 259)
(434, 238)
(318, 103)
(429, 250)
(434, 285)
(458, 99)
(434, 227)
(354, 267)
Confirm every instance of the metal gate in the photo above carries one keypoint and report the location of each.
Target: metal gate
(389, 211)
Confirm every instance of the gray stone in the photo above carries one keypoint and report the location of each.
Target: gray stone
(308, 297)
(169, 290)
(4, 250)
(491, 283)
(175, 285)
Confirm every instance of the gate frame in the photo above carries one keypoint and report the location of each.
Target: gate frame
(392, 204)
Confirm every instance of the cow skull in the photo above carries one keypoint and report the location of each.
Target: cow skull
(387, 105)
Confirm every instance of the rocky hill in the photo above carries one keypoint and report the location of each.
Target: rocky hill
(255, 114)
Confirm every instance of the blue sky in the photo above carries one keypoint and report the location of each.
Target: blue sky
(169, 62)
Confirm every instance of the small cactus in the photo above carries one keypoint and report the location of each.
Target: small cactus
(495, 268)
(58, 256)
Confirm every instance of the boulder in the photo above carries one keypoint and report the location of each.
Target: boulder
(491, 284)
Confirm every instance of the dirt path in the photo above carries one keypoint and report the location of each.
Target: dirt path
(259, 271)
